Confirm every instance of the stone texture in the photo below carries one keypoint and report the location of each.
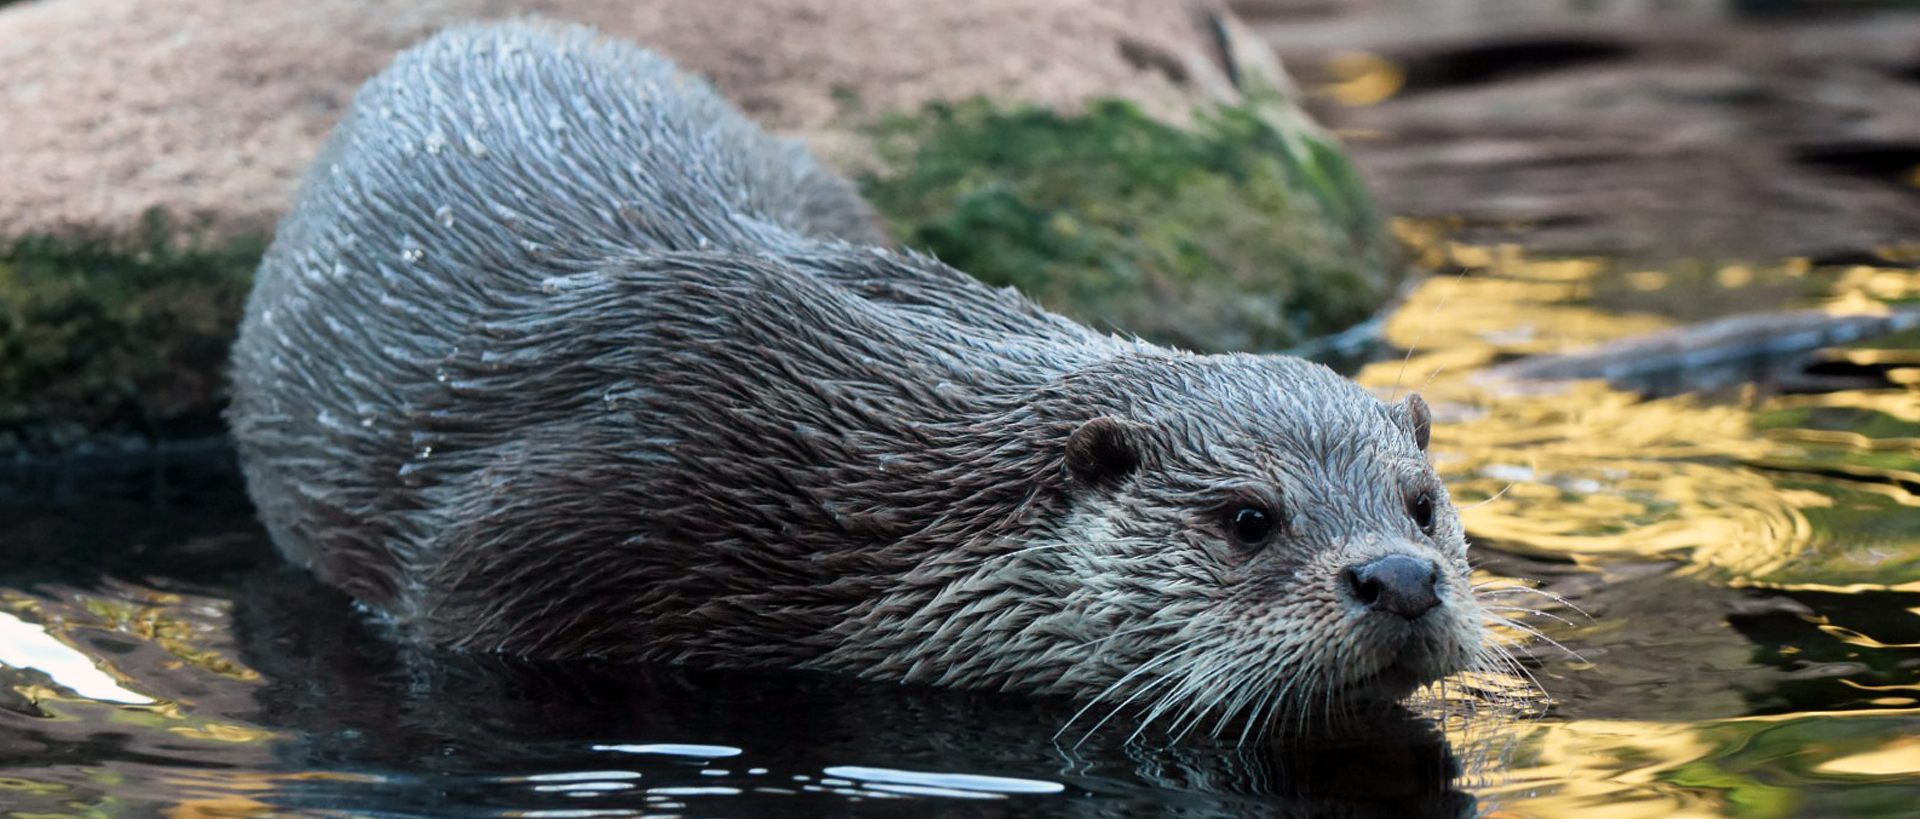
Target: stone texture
(211, 109)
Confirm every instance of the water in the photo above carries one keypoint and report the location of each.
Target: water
(1745, 563)
(1740, 631)
(249, 691)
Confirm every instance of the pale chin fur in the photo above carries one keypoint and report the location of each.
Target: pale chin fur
(1132, 626)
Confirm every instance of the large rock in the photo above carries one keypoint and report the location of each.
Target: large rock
(210, 110)
(149, 148)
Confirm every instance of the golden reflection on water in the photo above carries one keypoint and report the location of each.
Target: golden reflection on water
(1746, 767)
(126, 611)
(1797, 492)
(186, 631)
(231, 793)
(1899, 756)
(1600, 769)
(1585, 472)
(178, 625)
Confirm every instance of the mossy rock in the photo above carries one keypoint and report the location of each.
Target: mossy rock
(1238, 233)
(121, 336)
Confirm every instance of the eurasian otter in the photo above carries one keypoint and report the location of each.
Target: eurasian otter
(558, 355)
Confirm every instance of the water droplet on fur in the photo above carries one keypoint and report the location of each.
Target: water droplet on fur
(425, 452)
(436, 142)
(440, 376)
(555, 123)
(367, 422)
(339, 269)
(444, 215)
(476, 147)
(412, 255)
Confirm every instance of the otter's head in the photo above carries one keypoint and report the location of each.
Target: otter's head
(1264, 542)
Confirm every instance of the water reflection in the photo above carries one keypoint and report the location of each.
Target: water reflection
(1816, 764)
(27, 647)
(262, 693)
(486, 732)
(1744, 562)
(1587, 472)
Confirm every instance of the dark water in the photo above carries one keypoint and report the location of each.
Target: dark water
(1741, 631)
(161, 659)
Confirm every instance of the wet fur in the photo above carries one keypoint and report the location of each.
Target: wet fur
(558, 355)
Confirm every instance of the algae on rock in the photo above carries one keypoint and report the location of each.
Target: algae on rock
(1234, 234)
(122, 336)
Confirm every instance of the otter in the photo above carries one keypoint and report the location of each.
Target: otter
(558, 355)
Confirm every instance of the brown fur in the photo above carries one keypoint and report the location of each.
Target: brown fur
(559, 356)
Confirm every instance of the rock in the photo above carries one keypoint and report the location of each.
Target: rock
(152, 146)
(1235, 232)
(210, 111)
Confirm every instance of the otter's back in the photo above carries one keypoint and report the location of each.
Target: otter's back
(484, 161)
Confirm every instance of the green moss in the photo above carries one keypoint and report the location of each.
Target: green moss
(1231, 234)
(124, 335)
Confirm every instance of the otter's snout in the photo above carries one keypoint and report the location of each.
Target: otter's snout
(1399, 584)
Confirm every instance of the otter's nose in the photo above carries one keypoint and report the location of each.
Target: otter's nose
(1396, 583)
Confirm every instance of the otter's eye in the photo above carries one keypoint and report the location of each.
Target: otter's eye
(1250, 524)
(1421, 508)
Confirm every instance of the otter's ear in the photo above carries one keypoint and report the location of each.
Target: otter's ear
(1412, 415)
(1104, 451)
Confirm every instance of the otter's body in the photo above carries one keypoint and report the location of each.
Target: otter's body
(558, 355)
